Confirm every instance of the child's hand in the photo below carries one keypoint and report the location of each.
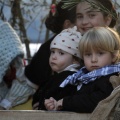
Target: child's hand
(35, 106)
(59, 104)
(50, 104)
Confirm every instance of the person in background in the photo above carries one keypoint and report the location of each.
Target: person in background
(64, 61)
(13, 87)
(87, 17)
(100, 50)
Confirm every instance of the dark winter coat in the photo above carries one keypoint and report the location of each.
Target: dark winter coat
(38, 71)
(52, 89)
(86, 99)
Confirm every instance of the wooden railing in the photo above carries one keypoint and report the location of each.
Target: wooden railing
(41, 115)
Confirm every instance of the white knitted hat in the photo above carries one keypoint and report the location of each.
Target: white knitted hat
(10, 47)
(68, 41)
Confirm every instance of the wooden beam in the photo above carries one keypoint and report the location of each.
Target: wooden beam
(41, 115)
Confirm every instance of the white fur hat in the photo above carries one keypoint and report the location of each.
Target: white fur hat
(10, 47)
(68, 41)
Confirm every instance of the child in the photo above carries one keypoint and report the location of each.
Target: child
(100, 50)
(64, 61)
(89, 15)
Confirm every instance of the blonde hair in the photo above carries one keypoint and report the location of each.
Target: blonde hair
(101, 38)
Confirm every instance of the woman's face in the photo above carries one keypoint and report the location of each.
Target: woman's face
(87, 18)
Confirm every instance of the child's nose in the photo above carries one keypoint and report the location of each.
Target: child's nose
(85, 20)
(94, 58)
(54, 56)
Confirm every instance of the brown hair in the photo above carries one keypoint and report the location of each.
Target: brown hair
(55, 22)
(109, 6)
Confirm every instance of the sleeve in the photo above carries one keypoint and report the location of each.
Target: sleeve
(86, 99)
(20, 90)
(38, 69)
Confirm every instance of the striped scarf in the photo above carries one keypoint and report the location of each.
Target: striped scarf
(83, 76)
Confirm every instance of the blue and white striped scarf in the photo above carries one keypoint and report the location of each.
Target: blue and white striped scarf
(83, 76)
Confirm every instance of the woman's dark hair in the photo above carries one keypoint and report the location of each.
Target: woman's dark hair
(55, 22)
(108, 4)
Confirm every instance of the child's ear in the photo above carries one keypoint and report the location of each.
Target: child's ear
(67, 24)
(115, 56)
(75, 61)
(108, 20)
(114, 59)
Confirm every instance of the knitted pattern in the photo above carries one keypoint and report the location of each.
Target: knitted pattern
(10, 47)
(68, 41)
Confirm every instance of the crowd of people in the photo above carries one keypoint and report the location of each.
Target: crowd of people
(71, 71)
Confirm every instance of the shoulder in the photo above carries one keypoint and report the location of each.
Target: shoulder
(62, 75)
(104, 82)
(66, 73)
(107, 77)
(47, 43)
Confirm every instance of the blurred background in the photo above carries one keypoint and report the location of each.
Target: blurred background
(27, 17)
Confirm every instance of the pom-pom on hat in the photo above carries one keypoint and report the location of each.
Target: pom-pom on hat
(10, 47)
(68, 41)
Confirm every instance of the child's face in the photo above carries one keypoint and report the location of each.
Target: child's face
(95, 59)
(59, 60)
(89, 18)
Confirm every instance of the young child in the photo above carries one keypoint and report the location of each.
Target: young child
(100, 50)
(64, 61)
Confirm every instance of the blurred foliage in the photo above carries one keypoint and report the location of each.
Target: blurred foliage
(22, 14)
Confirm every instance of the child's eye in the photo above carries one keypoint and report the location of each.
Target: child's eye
(52, 51)
(87, 54)
(61, 53)
(100, 53)
(91, 15)
(79, 17)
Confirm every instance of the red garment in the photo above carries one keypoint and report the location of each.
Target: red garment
(10, 76)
